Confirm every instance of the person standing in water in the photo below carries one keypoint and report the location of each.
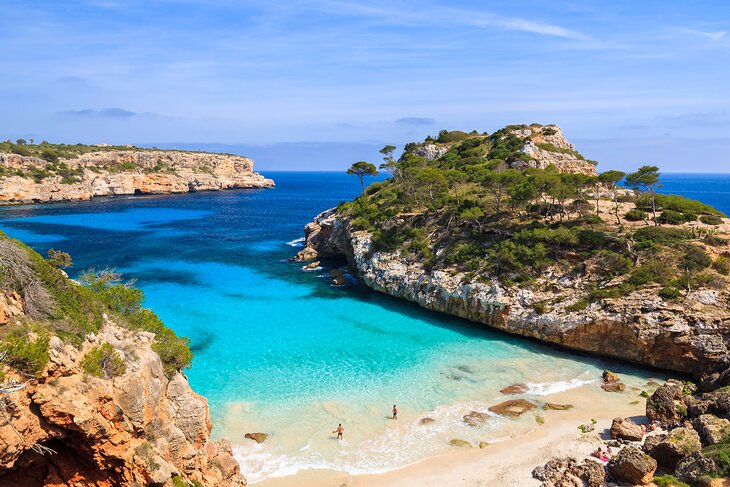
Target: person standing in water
(339, 431)
(395, 412)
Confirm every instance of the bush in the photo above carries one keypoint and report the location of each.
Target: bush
(668, 481)
(671, 217)
(653, 271)
(720, 453)
(722, 265)
(711, 220)
(446, 136)
(635, 215)
(695, 259)
(661, 235)
(669, 293)
(579, 305)
(25, 355)
(103, 361)
(611, 264)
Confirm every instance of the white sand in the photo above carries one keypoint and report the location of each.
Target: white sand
(508, 463)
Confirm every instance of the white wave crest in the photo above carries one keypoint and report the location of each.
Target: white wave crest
(297, 242)
(548, 388)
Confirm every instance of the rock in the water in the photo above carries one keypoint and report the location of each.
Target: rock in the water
(458, 442)
(679, 443)
(338, 277)
(626, 429)
(513, 408)
(257, 437)
(711, 429)
(312, 265)
(427, 420)
(609, 376)
(633, 466)
(693, 467)
(662, 406)
(307, 253)
(515, 389)
(613, 387)
(551, 406)
(483, 444)
(475, 418)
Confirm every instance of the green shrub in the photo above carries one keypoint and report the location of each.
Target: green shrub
(610, 264)
(635, 215)
(592, 219)
(447, 136)
(177, 481)
(579, 305)
(722, 265)
(654, 271)
(671, 217)
(662, 235)
(540, 308)
(711, 220)
(669, 293)
(720, 453)
(103, 361)
(695, 259)
(25, 355)
(668, 481)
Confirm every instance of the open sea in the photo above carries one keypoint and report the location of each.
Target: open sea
(281, 351)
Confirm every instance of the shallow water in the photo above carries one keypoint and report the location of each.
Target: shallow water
(279, 350)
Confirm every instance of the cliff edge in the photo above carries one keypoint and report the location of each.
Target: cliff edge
(33, 179)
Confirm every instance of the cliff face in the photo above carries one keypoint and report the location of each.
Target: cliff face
(692, 338)
(107, 173)
(141, 428)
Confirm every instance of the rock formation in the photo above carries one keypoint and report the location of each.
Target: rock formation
(640, 327)
(27, 179)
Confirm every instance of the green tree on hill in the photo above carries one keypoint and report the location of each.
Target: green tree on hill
(362, 169)
(389, 165)
(646, 179)
(610, 179)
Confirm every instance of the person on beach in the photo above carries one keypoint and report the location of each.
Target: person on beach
(395, 412)
(339, 431)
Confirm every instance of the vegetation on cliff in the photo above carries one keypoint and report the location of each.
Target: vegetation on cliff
(482, 206)
(56, 305)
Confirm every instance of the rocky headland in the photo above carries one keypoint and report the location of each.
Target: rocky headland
(91, 386)
(48, 177)
(590, 284)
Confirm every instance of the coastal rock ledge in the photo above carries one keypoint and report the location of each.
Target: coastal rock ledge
(67, 428)
(27, 179)
(639, 327)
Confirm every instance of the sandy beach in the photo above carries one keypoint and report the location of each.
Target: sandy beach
(507, 463)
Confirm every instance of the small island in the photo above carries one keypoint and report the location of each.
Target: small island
(40, 173)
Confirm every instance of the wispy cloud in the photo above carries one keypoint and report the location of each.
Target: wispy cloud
(426, 15)
(715, 36)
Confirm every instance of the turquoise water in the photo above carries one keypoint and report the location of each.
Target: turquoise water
(280, 350)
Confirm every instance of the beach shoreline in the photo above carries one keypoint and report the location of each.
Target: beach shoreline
(506, 463)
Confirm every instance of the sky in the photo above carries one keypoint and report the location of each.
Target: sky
(319, 84)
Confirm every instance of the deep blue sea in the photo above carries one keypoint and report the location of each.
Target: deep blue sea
(280, 350)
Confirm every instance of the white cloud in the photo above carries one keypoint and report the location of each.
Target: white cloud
(715, 36)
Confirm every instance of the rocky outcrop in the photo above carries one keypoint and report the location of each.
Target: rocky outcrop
(633, 466)
(563, 472)
(141, 428)
(692, 338)
(626, 429)
(107, 173)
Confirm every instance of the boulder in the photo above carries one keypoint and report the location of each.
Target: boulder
(626, 429)
(567, 472)
(592, 473)
(338, 277)
(609, 377)
(427, 420)
(483, 444)
(679, 443)
(307, 253)
(475, 418)
(693, 467)
(613, 387)
(711, 429)
(257, 437)
(651, 442)
(513, 408)
(551, 406)
(515, 389)
(662, 406)
(312, 265)
(459, 443)
(633, 466)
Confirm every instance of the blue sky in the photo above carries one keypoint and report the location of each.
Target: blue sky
(630, 82)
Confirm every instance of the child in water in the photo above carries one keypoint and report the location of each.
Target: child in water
(339, 431)
(395, 412)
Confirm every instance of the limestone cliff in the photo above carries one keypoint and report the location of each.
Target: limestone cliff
(67, 428)
(28, 179)
(692, 337)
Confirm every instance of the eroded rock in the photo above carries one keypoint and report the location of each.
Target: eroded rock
(626, 429)
(513, 408)
(633, 466)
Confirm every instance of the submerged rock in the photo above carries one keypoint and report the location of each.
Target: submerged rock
(513, 408)
(459, 443)
(311, 265)
(551, 406)
(257, 437)
(613, 387)
(427, 420)
(515, 389)
(633, 466)
(475, 418)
